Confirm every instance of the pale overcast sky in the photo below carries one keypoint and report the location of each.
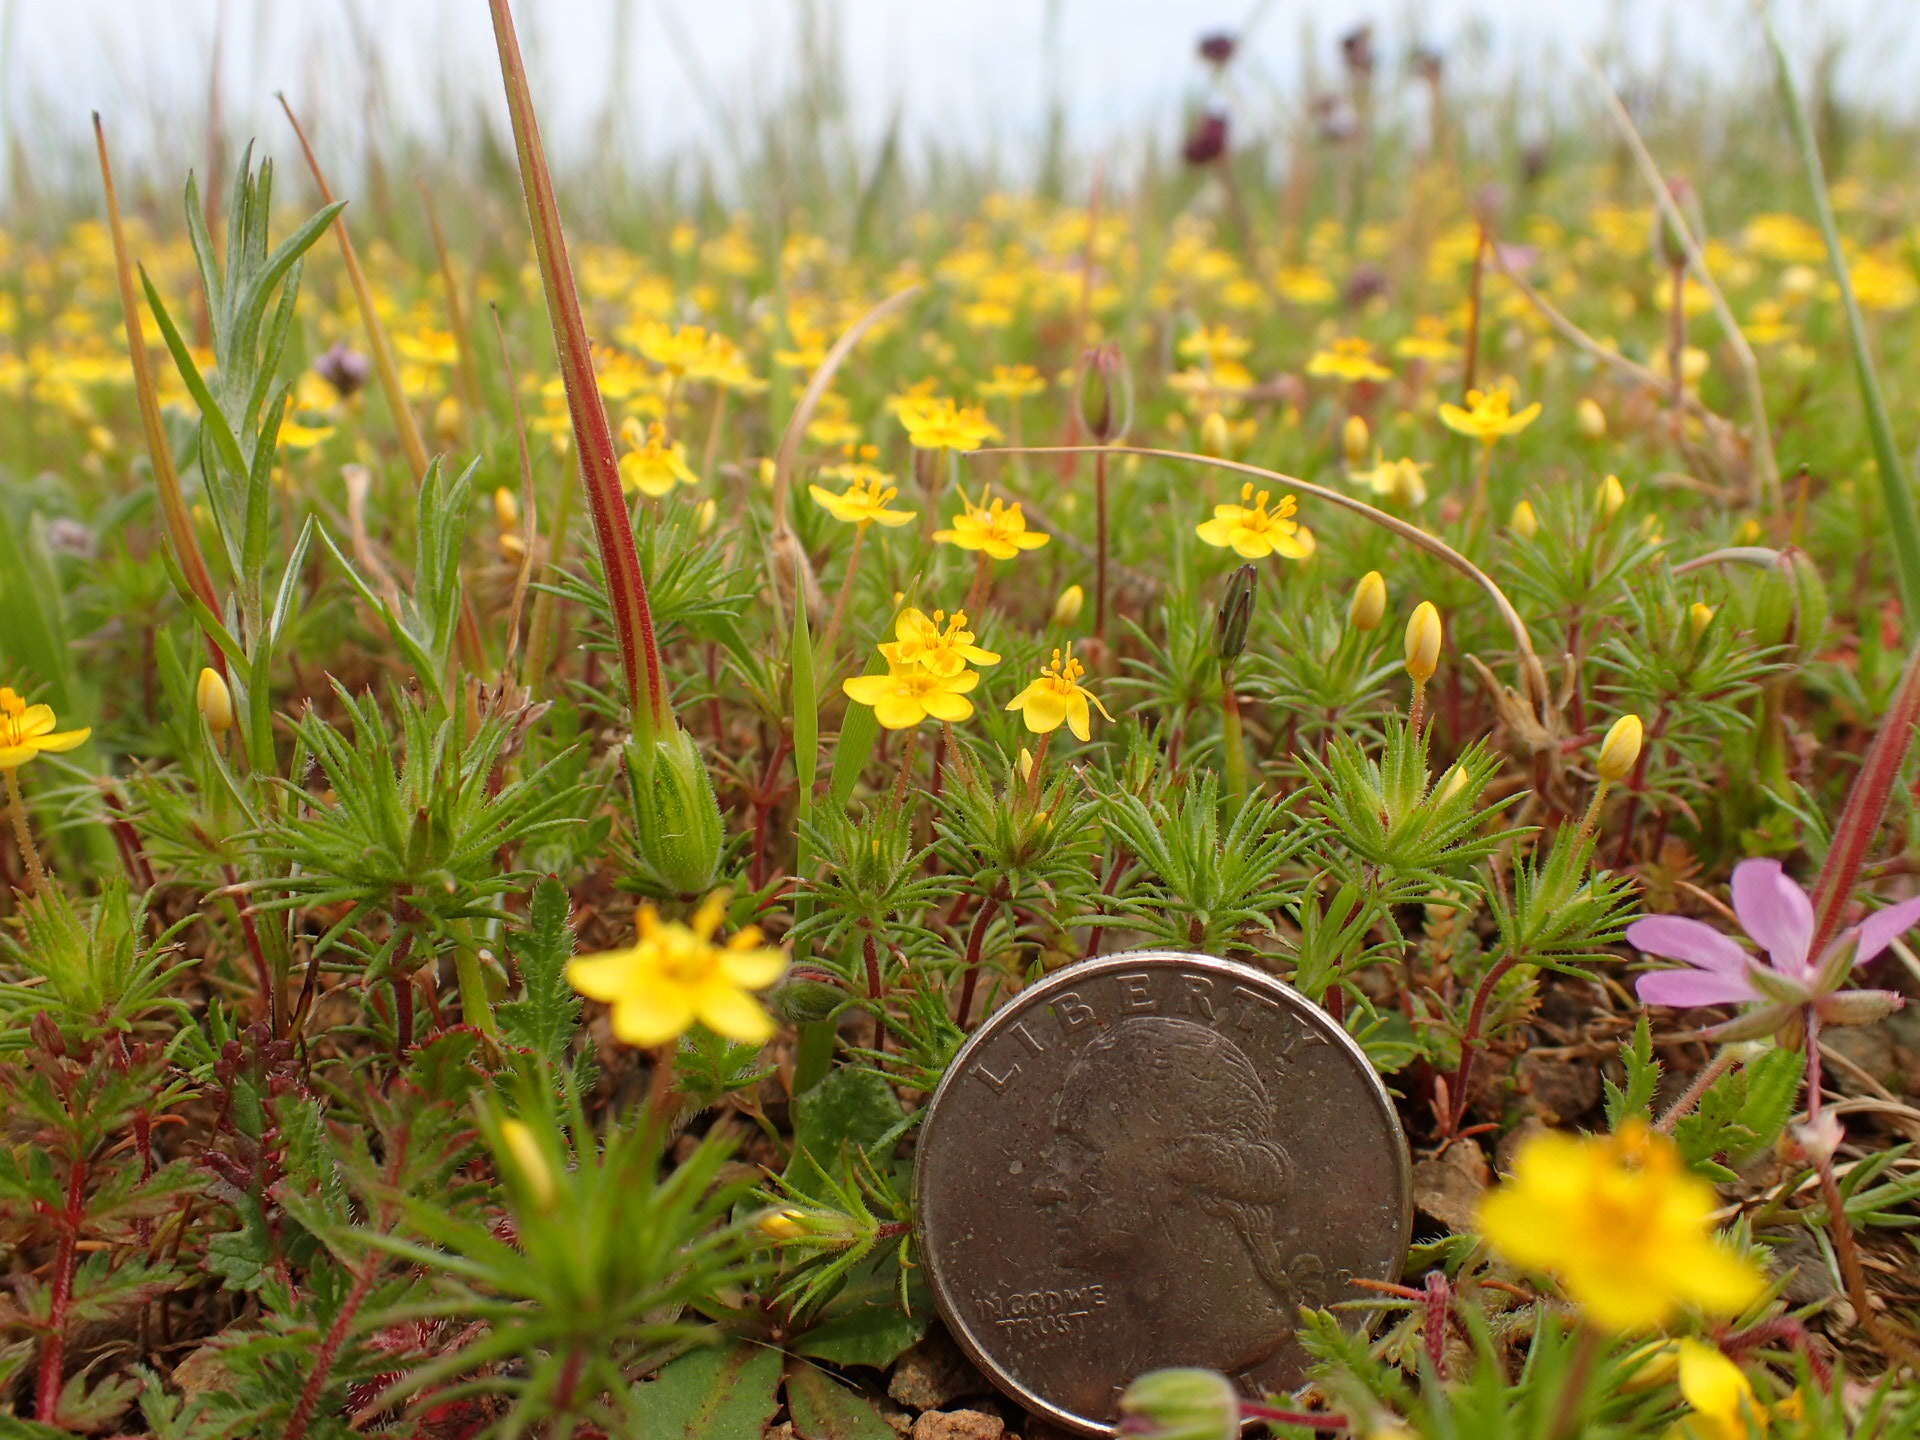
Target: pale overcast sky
(974, 70)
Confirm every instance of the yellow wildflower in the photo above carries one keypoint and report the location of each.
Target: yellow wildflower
(1213, 344)
(940, 643)
(992, 525)
(1013, 382)
(1488, 416)
(1059, 696)
(906, 695)
(26, 731)
(1402, 480)
(1350, 359)
(1724, 1405)
(940, 424)
(865, 501)
(1253, 531)
(1428, 341)
(674, 975)
(655, 464)
(1623, 1223)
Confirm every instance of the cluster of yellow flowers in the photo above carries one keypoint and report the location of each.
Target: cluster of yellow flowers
(928, 674)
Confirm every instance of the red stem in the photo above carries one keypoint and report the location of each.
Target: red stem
(976, 943)
(1866, 806)
(53, 1357)
(329, 1352)
(1470, 1040)
(599, 465)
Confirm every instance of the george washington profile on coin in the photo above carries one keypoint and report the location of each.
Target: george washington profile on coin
(1154, 1160)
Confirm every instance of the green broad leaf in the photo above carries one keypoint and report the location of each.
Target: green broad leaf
(823, 1409)
(858, 732)
(864, 1324)
(548, 1012)
(717, 1392)
(849, 1110)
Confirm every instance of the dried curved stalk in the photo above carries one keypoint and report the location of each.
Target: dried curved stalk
(1532, 674)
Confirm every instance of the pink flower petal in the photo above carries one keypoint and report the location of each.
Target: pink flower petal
(1883, 927)
(1776, 913)
(1683, 989)
(1674, 937)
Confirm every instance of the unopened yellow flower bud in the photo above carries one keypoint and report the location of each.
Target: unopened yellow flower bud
(704, 516)
(1355, 440)
(1423, 642)
(1026, 763)
(1523, 522)
(214, 699)
(1591, 418)
(1649, 1366)
(531, 1161)
(1610, 497)
(1067, 608)
(1216, 437)
(1454, 782)
(1369, 603)
(1699, 616)
(506, 509)
(1620, 750)
(779, 1225)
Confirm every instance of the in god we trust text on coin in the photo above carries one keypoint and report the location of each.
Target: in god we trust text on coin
(1148, 1160)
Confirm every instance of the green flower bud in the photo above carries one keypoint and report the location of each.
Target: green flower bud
(676, 817)
(1236, 613)
(1180, 1405)
(803, 998)
(1788, 606)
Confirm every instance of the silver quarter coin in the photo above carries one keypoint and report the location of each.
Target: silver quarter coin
(1154, 1159)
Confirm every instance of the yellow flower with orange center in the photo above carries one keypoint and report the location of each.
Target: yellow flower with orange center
(867, 500)
(909, 694)
(675, 975)
(1254, 531)
(1488, 416)
(992, 526)
(1623, 1223)
(940, 642)
(1058, 697)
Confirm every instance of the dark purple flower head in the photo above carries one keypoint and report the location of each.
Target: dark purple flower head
(1207, 140)
(1217, 47)
(1778, 917)
(345, 370)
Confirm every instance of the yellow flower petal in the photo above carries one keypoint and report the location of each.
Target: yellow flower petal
(728, 1010)
(652, 1014)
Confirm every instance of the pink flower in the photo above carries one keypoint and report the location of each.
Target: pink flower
(1778, 917)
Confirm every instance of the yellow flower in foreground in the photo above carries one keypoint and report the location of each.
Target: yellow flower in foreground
(1059, 696)
(1488, 416)
(1251, 530)
(27, 730)
(940, 424)
(906, 695)
(992, 525)
(1623, 1223)
(1350, 359)
(1724, 1405)
(674, 975)
(655, 464)
(865, 500)
(940, 643)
